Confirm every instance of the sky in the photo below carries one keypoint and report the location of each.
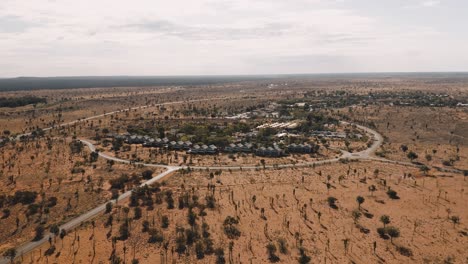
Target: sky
(230, 37)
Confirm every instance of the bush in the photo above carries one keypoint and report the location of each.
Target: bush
(219, 252)
(39, 233)
(332, 202)
(392, 194)
(120, 182)
(164, 221)
(155, 236)
(303, 258)
(382, 231)
(124, 231)
(137, 213)
(24, 197)
(230, 227)
(283, 246)
(199, 250)
(147, 174)
(404, 251)
(108, 207)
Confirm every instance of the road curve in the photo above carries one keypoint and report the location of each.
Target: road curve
(30, 246)
(365, 154)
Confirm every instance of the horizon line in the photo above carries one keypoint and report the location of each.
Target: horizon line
(238, 75)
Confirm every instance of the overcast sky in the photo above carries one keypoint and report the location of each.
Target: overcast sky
(192, 37)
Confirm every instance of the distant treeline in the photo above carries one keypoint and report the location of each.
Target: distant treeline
(33, 83)
(20, 101)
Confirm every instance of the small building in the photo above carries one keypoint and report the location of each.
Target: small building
(135, 139)
(270, 152)
(236, 148)
(203, 150)
(300, 148)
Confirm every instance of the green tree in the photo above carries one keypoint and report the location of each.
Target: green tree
(164, 221)
(360, 200)
(271, 250)
(412, 156)
(199, 250)
(303, 258)
(136, 213)
(332, 202)
(108, 207)
(124, 231)
(385, 219)
(39, 233)
(393, 232)
(424, 169)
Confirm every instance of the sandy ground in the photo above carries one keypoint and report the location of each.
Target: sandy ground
(287, 196)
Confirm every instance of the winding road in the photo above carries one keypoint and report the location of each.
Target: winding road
(367, 154)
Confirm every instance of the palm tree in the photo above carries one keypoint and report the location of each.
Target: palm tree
(385, 219)
(360, 200)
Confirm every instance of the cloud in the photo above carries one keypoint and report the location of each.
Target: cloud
(14, 24)
(423, 4)
(208, 32)
(430, 3)
(154, 37)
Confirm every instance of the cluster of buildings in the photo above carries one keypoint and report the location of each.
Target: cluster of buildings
(300, 148)
(235, 148)
(328, 134)
(274, 151)
(203, 149)
(284, 125)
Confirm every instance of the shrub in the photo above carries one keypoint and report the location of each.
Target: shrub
(147, 174)
(332, 202)
(155, 236)
(164, 221)
(39, 233)
(230, 227)
(404, 251)
(108, 207)
(392, 194)
(24, 197)
(199, 250)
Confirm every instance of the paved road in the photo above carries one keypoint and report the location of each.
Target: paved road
(365, 154)
(28, 247)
